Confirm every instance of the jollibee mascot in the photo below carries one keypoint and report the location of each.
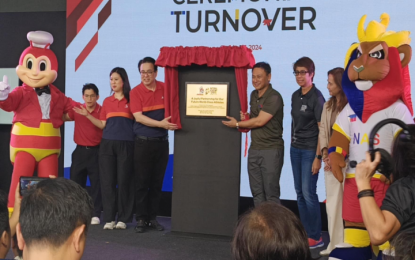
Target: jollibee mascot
(377, 85)
(38, 108)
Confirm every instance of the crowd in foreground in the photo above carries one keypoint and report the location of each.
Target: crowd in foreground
(269, 231)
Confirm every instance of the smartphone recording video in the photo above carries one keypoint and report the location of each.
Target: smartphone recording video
(29, 183)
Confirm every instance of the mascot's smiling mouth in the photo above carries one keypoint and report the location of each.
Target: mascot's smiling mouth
(363, 85)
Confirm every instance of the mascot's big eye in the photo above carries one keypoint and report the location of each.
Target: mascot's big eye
(42, 65)
(380, 55)
(29, 64)
(358, 53)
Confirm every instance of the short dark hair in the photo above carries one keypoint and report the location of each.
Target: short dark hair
(126, 87)
(51, 212)
(263, 65)
(305, 62)
(4, 214)
(90, 86)
(147, 60)
(270, 231)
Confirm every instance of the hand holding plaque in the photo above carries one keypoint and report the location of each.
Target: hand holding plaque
(244, 117)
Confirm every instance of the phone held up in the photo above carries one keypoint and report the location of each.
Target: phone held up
(28, 183)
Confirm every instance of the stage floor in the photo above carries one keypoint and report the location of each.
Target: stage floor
(156, 245)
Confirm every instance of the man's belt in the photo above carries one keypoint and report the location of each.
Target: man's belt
(155, 139)
(88, 147)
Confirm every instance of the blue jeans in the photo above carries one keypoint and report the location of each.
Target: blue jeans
(305, 185)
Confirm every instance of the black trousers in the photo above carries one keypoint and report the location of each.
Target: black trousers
(116, 168)
(85, 163)
(150, 162)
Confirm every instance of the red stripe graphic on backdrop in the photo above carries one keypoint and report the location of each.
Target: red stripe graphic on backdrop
(71, 21)
(83, 19)
(104, 14)
(87, 14)
(70, 6)
(86, 51)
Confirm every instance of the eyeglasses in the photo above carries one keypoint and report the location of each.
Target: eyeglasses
(145, 73)
(302, 73)
(90, 96)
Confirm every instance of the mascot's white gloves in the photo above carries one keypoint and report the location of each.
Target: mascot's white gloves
(4, 89)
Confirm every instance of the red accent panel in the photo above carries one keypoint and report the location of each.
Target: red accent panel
(406, 95)
(72, 19)
(87, 14)
(70, 6)
(104, 14)
(171, 95)
(36, 142)
(224, 56)
(86, 51)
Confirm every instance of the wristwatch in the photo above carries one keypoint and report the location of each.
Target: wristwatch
(319, 156)
(237, 125)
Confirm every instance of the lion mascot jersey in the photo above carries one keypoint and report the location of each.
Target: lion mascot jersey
(377, 85)
(38, 108)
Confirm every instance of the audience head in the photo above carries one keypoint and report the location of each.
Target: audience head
(334, 85)
(148, 70)
(304, 70)
(403, 245)
(54, 217)
(403, 154)
(5, 239)
(119, 82)
(261, 75)
(270, 231)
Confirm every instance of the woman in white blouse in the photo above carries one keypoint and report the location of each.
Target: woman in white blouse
(334, 189)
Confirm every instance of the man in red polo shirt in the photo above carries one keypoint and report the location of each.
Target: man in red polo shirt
(85, 156)
(151, 148)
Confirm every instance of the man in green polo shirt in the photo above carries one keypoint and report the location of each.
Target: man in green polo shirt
(266, 154)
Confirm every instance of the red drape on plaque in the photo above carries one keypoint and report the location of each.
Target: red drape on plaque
(239, 57)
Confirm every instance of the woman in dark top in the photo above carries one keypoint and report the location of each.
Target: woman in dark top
(306, 108)
(397, 213)
(116, 151)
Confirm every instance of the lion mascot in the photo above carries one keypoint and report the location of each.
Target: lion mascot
(377, 85)
(38, 108)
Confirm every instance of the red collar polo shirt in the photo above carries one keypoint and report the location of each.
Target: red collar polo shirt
(151, 104)
(119, 120)
(86, 133)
